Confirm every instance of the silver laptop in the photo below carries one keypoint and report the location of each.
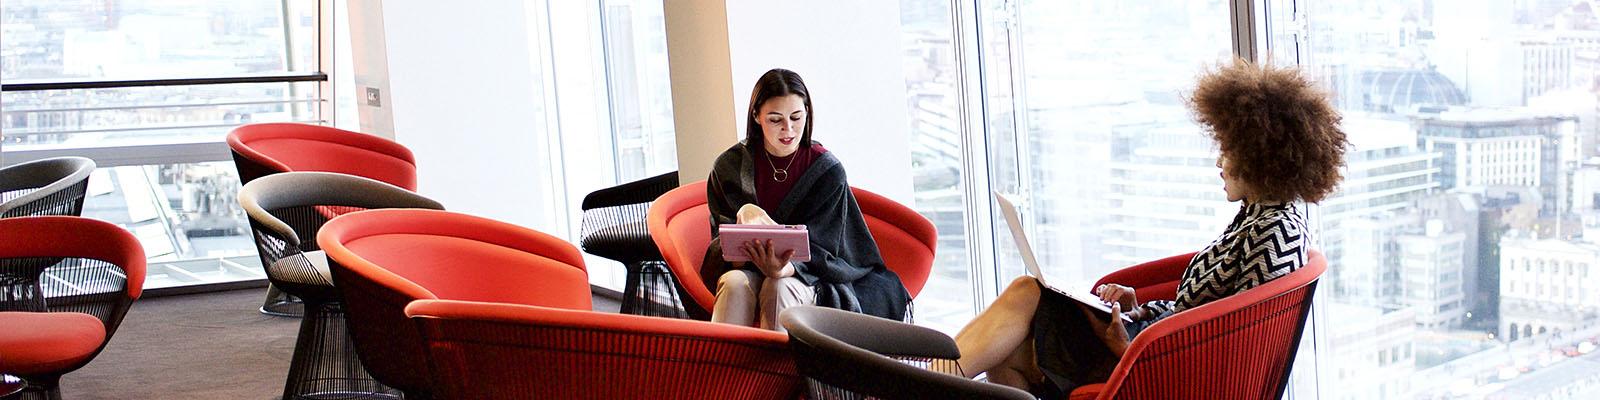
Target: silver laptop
(1009, 210)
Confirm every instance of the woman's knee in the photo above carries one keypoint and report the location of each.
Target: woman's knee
(1024, 287)
(737, 280)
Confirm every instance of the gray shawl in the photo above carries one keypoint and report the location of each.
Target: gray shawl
(845, 268)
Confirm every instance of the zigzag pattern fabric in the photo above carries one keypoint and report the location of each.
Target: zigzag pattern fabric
(1263, 242)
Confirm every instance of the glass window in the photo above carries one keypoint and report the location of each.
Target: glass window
(933, 97)
(55, 40)
(163, 173)
(1094, 135)
(640, 89)
(1492, 95)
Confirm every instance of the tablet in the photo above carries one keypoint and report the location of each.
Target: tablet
(783, 237)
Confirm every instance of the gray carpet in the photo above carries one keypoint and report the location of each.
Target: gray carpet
(199, 346)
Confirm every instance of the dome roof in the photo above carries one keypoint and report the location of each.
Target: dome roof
(1400, 90)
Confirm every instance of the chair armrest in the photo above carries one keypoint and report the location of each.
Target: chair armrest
(292, 189)
(877, 335)
(49, 175)
(636, 192)
(1153, 280)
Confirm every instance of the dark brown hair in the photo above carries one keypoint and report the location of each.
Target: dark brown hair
(778, 82)
(1278, 131)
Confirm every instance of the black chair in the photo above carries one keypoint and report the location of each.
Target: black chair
(52, 186)
(846, 355)
(286, 210)
(614, 227)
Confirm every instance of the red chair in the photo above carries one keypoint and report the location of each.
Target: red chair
(384, 259)
(1152, 280)
(905, 239)
(680, 224)
(264, 149)
(511, 351)
(92, 271)
(269, 148)
(1197, 353)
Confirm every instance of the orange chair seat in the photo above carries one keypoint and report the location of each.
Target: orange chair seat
(317, 155)
(42, 343)
(497, 274)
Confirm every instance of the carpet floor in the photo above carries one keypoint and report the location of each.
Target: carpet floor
(198, 346)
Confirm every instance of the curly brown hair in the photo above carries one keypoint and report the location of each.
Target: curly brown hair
(1278, 131)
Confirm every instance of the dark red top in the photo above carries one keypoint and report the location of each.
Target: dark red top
(769, 190)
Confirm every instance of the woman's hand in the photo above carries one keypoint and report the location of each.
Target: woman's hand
(1112, 333)
(1116, 335)
(1114, 293)
(770, 264)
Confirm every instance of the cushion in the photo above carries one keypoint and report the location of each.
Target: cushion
(47, 343)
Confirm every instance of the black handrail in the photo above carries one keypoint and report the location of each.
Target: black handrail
(23, 86)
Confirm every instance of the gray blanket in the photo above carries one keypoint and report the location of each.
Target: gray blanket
(845, 268)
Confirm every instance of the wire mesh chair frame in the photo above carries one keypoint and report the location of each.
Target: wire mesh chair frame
(1268, 319)
(52, 186)
(103, 281)
(615, 227)
(252, 164)
(508, 351)
(846, 355)
(285, 212)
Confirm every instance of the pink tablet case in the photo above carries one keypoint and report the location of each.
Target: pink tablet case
(784, 237)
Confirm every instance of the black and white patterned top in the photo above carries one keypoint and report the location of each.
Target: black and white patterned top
(1263, 242)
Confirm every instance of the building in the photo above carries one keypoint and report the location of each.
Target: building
(1547, 286)
(1481, 147)
(1432, 271)
(1370, 351)
(1385, 174)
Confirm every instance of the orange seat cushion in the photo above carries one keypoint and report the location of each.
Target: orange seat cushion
(316, 155)
(1087, 392)
(36, 343)
(453, 268)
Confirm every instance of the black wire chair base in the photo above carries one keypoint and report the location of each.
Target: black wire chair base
(280, 304)
(650, 291)
(325, 365)
(818, 390)
(37, 389)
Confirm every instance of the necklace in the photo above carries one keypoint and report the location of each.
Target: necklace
(781, 174)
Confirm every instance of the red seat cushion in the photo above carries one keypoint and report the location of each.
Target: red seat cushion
(316, 155)
(462, 269)
(41, 343)
(1087, 392)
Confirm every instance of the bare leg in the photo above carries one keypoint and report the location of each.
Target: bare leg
(999, 333)
(1019, 370)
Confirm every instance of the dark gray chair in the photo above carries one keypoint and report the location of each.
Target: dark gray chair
(614, 227)
(286, 210)
(52, 186)
(846, 355)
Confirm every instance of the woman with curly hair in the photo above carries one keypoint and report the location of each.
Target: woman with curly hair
(1280, 144)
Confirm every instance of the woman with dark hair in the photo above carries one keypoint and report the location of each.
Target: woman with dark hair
(777, 175)
(1280, 144)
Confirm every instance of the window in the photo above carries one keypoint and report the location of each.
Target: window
(643, 140)
(1097, 92)
(164, 173)
(936, 119)
(1490, 92)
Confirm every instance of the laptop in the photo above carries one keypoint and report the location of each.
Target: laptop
(1009, 210)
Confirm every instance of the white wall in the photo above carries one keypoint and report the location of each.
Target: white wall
(465, 91)
(848, 52)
